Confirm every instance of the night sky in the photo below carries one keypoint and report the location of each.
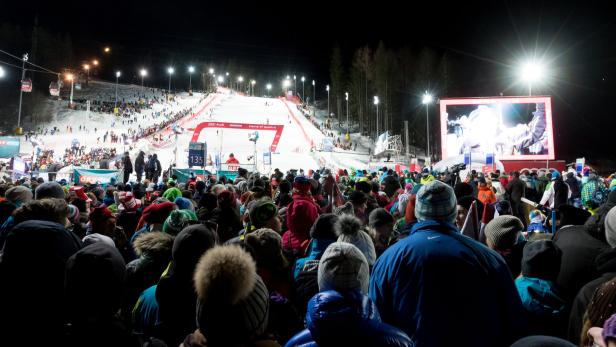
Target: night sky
(576, 39)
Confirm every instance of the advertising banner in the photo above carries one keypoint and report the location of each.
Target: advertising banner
(510, 128)
(89, 176)
(277, 128)
(9, 146)
(184, 174)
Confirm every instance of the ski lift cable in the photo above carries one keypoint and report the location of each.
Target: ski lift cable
(19, 67)
(28, 62)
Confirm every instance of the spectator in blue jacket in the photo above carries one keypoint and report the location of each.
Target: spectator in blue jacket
(537, 288)
(341, 314)
(436, 278)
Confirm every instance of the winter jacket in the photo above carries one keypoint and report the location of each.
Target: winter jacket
(486, 195)
(556, 194)
(32, 270)
(229, 223)
(544, 305)
(146, 314)
(605, 265)
(574, 185)
(175, 293)
(317, 247)
(140, 164)
(346, 319)
(154, 250)
(412, 286)
(516, 190)
(577, 267)
(596, 223)
(301, 215)
(588, 192)
(127, 164)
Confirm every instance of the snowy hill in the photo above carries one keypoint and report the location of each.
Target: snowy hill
(225, 114)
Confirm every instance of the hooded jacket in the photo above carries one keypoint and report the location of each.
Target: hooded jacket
(413, 290)
(175, 292)
(301, 214)
(579, 250)
(544, 304)
(605, 264)
(346, 319)
(154, 251)
(32, 264)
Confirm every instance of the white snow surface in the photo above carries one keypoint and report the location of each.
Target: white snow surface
(296, 148)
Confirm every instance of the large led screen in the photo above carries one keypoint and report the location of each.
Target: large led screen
(511, 128)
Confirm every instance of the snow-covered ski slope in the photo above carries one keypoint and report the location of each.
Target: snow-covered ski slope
(296, 146)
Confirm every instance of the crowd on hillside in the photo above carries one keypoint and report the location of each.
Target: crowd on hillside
(315, 258)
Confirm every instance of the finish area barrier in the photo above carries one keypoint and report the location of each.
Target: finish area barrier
(244, 126)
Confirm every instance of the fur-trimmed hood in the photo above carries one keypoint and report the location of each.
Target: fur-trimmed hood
(153, 243)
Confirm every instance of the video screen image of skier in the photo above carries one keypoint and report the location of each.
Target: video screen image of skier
(510, 128)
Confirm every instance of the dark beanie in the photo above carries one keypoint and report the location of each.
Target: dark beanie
(541, 259)
(463, 189)
(95, 272)
(323, 227)
(358, 197)
(379, 217)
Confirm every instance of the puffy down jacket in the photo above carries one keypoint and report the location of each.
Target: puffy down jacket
(346, 319)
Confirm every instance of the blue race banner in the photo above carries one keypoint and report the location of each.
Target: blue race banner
(89, 176)
(9, 146)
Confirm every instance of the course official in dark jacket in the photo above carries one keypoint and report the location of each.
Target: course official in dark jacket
(127, 167)
(436, 278)
(140, 165)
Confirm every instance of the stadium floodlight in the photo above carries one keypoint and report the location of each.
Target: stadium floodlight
(71, 78)
(427, 100)
(143, 73)
(220, 79)
(532, 72)
(118, 74)
(2, 73)
(240, 79)
(211, 71)
(376, 103)
(268, 86)
(191, 69)
(286, 83)
(170, 70)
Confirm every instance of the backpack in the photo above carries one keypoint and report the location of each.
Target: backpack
(599, 196)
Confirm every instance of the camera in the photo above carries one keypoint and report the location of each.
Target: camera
(457, 168)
